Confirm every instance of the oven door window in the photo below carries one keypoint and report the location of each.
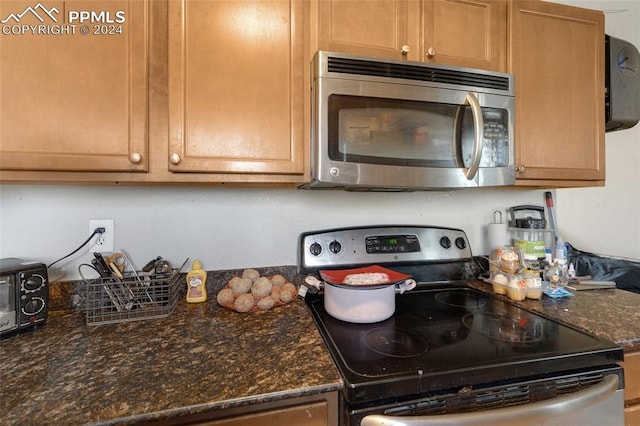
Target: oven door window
(399, 132)
(7, 302)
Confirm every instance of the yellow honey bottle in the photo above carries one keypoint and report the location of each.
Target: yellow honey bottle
(196, 283)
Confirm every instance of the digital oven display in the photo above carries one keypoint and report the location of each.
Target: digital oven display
(392, 244)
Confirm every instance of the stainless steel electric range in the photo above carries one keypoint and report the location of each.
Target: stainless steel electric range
(451, 354)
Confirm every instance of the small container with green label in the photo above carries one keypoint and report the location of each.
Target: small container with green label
(527, 227)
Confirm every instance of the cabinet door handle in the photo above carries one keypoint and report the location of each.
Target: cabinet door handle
(405, 49)
(431, 52)
(135, 157)
(520, 168)
(174, 158)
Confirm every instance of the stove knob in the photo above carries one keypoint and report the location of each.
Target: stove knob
(315, 249)
(335, 247)
(461, 243)
(445, 242)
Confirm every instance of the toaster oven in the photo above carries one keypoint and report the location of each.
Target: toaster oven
(24, 295)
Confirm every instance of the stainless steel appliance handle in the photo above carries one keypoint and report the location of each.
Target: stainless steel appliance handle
(479, 135)
(521, 414)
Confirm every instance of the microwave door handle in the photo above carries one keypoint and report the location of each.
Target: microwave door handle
(519, 414)
(478, 123)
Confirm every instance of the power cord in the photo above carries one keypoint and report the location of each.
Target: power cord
(99, 230)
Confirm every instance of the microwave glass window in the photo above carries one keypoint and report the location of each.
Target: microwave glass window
(412, 133)
(390, 131)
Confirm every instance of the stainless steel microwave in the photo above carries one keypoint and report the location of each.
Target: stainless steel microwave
(381, 124)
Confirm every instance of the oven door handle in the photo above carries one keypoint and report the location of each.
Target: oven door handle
(521, 414)
(478, 139)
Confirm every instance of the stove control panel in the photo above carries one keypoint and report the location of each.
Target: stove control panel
(392, 244)
(335, 248)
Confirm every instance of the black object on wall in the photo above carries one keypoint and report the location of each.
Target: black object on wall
(622, 84)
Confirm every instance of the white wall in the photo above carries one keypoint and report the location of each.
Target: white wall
(230, 228)
(607, 220)
(226, 228)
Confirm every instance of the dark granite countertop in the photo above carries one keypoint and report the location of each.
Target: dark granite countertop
(200, 358)
(613, 314)
(205, 358)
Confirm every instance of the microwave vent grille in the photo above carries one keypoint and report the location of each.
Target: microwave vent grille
(417, 72)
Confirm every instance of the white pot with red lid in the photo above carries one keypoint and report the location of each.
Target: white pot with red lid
(348, 296)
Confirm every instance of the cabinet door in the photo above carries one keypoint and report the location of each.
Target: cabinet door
(236, 86)
(631, 367)
(315, 414)
(557, 57)
(465, 33)
(454, 32)
(372, 27)
(73, 94)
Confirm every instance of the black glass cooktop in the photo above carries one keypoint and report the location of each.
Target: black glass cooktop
(451, 338)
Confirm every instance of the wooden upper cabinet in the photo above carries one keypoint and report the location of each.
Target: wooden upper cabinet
(465, 33)
(236, 87)
(469, 33)
(73, 96)
(557, 58)
(369, 27)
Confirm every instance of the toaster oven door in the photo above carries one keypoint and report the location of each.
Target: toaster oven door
(8, 320)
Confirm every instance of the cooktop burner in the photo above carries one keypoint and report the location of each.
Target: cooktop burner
(395, 342)
(521, 330)
(464, 300)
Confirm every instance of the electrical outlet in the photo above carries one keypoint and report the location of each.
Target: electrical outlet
(102, 243)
